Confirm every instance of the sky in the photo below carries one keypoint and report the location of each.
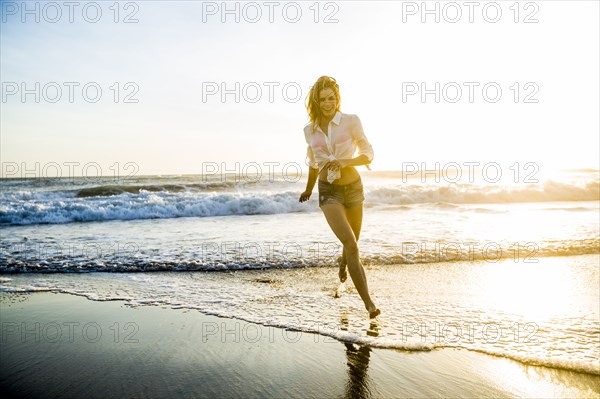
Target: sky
(181, 86)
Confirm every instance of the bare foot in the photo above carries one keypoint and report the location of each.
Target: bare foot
(343, 274)
(338, 292)
(373, 312)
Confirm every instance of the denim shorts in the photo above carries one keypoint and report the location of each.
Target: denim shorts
(349, 195)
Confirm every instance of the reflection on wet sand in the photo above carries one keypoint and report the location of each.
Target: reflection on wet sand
(359, 385)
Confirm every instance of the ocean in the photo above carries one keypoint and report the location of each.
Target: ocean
(508, 267)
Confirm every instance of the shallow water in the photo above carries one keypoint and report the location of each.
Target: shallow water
(543, 314)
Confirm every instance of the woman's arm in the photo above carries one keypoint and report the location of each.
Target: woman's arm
(313, 174)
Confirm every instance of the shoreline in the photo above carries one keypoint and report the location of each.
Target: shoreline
(62, 344)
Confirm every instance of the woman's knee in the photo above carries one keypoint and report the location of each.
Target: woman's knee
(350, 246)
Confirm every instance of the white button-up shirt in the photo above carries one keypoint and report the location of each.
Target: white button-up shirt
(344, 135)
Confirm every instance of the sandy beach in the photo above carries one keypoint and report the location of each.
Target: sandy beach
(59, 345)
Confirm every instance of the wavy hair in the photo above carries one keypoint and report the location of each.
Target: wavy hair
(312, 99)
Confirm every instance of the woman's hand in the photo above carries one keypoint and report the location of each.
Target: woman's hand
(305, 196)
(337, 164)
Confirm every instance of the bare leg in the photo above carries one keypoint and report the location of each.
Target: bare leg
(338, 221)
(355, 216)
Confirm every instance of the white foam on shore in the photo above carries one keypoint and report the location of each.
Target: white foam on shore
(26, 289)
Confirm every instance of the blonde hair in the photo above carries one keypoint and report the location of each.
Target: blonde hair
(312, 99)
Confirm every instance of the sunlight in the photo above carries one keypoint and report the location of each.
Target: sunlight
(535, 291)
(532, 383)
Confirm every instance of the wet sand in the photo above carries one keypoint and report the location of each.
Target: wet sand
(64, 345)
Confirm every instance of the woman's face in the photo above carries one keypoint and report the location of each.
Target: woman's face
(327, 103)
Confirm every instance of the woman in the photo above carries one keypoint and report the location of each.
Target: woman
(332, 139)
